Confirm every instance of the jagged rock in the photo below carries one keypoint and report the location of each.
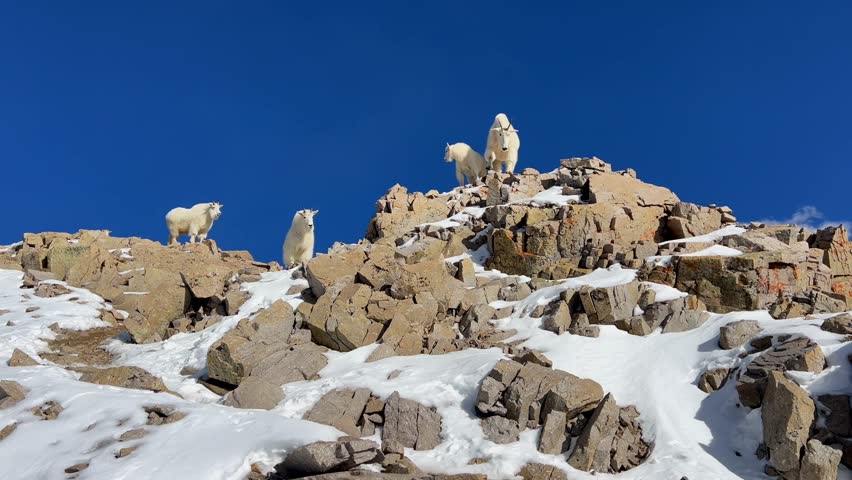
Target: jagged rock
(837, 249)
(839, 417)
(593, 446)
(398, 464)
(690, 220)
(466, 272)
(48, 410)
(320, 457)
(500, 429)
(234, 356)
(11, 393)
(801, 354)
(398, 212)
(411, 424)
(553, 436)
(613, 188)
(21, 359)
(134, 434)
(255, 392)
(737, 333)
(163, 414)
(7, 430)
(532, 356)
(295, 363)
(819, 462)
(125, 377)
(50, 290)
(528, 393)
(234, 299)
(323, 271)
(540, 471)
(610, 304)
(840, 324)
(79, 467)
(713, 380)
(338, 319)
(678, 315)
(787, 413)
(341, 409)
(611, 440)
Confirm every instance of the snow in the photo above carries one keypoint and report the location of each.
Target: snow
(695, 434)
(710, 237)
(213, 442)
(715, 251)
(8, 248)
(168, 358)
(664, 293)
(457, 220)
(711, 251)
(550, 197)
(29, 331)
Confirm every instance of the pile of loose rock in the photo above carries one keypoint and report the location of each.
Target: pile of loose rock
(570, 410)
(804, 437)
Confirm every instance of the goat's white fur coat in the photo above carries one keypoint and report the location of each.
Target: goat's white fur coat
(299, 243)
(469, 163)
(502, 145)
(195, 221)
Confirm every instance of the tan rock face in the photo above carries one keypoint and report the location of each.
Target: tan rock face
(620, 189)
(154, 283)
(787, 412)
(11, 393)
(126, 377)
(819, 462)
(411, 424)
(398, 212)
(253, 341)
(799, 354)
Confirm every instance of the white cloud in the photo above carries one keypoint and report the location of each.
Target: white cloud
(809, 217)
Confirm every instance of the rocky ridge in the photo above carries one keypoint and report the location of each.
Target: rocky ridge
(419, 283)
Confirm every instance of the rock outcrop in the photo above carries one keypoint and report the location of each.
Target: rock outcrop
(787, 414)
(161, 288)
(800, 354)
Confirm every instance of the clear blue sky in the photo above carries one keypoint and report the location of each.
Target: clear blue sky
(112, 113)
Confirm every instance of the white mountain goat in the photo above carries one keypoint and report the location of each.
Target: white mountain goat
(469, 163)
(195, 221)
(502, 145)
(299, 243)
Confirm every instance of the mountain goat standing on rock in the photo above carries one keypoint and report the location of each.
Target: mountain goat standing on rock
(195, 221)
(468, 163)
(299, 243)
(502, 145)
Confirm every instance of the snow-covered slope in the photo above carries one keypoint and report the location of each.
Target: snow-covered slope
(696, 435)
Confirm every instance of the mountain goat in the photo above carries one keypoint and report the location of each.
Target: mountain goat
(299, 243)
(195, 221)
(502, 145)
(469, 163)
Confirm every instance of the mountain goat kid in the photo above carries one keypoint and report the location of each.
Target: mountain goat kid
(469, 163)
(195, 221)
(299, 243)
(502, 145)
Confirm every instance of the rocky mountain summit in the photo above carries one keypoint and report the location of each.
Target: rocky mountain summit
(519, 277)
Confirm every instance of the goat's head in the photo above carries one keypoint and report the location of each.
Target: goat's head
(215, 209)
(307, 216)
(447, 155)
(503, 136)
(503, 132)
